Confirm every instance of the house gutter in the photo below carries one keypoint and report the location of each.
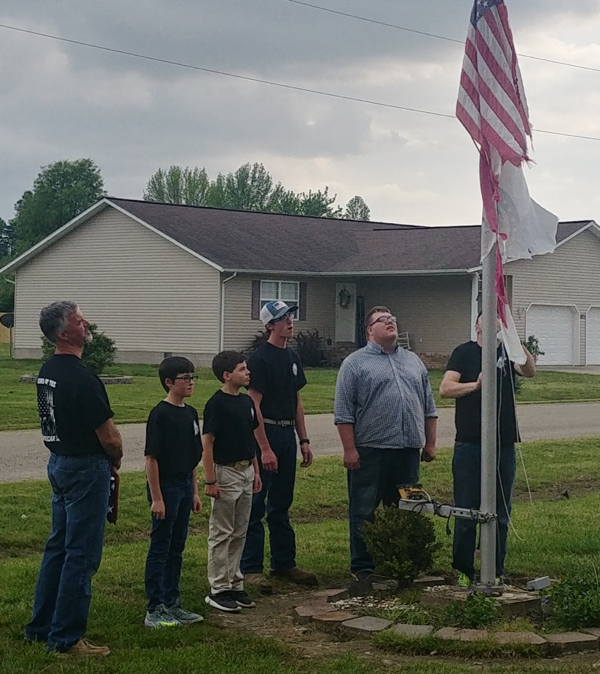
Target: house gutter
(222, 327)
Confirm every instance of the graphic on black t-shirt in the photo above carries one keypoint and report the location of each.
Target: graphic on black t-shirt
(45, 396)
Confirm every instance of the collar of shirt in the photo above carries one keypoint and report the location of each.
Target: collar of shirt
(371, 347)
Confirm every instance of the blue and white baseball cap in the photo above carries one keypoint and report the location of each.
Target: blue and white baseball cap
(274, 310)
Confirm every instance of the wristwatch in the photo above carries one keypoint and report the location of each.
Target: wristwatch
(304, 441)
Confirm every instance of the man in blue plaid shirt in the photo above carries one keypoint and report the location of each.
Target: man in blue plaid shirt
(387, 420)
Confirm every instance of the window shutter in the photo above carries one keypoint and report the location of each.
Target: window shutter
(302, 302)
(255, 300)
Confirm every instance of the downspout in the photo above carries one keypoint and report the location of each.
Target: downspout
(222, 336)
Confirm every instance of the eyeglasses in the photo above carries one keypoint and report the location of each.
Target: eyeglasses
(188, 378)
(384, 319)
(286, 317)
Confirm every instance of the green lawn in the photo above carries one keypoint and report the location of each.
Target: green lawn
(555, 536)
(133, 402)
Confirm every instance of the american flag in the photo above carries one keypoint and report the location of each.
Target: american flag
(492, 107)
(491, 101)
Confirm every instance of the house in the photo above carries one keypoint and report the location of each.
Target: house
(162, 278)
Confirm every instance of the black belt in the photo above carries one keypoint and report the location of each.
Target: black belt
(280, 422)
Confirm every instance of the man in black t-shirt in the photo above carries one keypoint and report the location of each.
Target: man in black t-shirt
(276, 377)
(462, 381)
(173, 451)
(231, 476)
(77, 428)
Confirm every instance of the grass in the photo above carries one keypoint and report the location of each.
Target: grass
(133, 402)
(559, 536)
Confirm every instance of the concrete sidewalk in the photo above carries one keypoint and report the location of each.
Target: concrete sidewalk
(23, 455)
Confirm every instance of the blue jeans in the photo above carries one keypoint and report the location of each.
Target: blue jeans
(381, 470)
(466, 472)
(167, 542)
(73, 551)
(275, 499)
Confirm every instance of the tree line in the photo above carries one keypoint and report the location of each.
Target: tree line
(66, 188)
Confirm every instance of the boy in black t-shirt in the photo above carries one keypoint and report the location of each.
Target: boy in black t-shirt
(231, 477)
(173, 451)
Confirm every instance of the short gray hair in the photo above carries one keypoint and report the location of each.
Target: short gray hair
(55, 317)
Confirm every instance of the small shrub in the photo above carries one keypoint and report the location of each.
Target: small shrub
(477, 612)
(258, 340)
(309, 348)
(533, 346)
(401, 543)
(97, 355)
(576, 601)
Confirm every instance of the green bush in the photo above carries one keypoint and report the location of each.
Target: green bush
(309, 347)
(401, 543)
(576, 600)
(97, 354)
(477, 612)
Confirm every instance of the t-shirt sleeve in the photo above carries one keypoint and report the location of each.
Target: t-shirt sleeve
(255, 425)
(300, 377)
(210, 421)
(153, 443)
(259, 376)
(93, 402)
(456, 363)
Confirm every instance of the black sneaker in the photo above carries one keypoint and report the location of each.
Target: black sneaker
(224, 602)
(242, 599)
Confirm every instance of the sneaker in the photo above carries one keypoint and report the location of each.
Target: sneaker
(223, 601)
(184, 617)
(362, 575)
(263, 585)
(85, 647)
(242, 599)
(160, 617)
(464, 580)
(297, 575)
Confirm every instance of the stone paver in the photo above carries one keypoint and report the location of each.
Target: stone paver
(331, 621)
(457, 634)
(365, 626)
(594, 631)
(413, 630)
(305, 612)
(334, 594)
(429, 581)
(571, 642)
(530, 638)
(513, 602)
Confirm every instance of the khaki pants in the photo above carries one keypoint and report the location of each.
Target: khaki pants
(227, 527)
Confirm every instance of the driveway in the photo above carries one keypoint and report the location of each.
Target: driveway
(23, 455)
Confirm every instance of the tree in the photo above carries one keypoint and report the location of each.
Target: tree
(179, 185)
(249, 188)
(357, 209)
(61, 191)
(7, 240)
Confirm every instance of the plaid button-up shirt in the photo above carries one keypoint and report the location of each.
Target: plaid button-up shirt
(387, 398)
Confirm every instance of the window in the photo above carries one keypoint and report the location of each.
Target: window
(287, 291)
(290, 292)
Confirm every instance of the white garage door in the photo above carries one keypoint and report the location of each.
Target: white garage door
(555, 329)
(592, 337)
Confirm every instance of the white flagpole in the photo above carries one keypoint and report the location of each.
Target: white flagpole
(489, 409)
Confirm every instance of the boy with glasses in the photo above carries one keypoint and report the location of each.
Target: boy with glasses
(173, 451)
(231, 476)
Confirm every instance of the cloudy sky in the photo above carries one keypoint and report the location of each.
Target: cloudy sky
(132, 116)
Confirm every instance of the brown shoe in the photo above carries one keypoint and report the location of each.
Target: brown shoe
(297, 575)
(263, 585)
(85, 647)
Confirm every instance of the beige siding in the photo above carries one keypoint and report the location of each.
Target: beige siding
(239, 326)
(434, 310)
(570, 276)
(146, 293)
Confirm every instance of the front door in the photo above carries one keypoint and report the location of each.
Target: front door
(345, 312)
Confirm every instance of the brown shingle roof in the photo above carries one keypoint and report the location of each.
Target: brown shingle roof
(252, 241)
